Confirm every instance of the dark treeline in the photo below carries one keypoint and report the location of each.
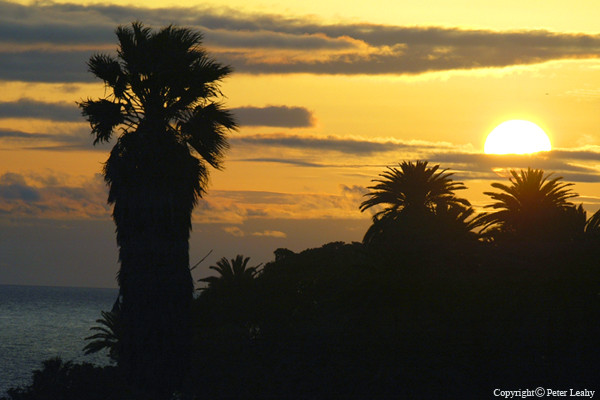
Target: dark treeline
(436, 302)
(424, 308)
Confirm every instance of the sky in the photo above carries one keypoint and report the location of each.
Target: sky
(327, 94)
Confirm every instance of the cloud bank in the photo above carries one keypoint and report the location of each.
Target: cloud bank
(274, 115)
(29, 108)
(51, 42)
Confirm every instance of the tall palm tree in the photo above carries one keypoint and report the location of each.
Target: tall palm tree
(411, 193)
(162, 95)
(533, 205)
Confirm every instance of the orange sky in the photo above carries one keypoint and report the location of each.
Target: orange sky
(330, 93)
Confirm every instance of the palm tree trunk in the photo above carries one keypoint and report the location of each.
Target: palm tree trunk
(157, 289)
(153, 203)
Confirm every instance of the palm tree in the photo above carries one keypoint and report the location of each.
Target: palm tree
(162, 95)
(532, 206)
(232, 274)
(108, 335)
(409, 195)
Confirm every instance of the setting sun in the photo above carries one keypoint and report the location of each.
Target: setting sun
(516, 137)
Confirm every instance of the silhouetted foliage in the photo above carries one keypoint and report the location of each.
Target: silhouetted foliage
(419, 207)
(446, 321)
(592, 226)
(65, 380)
(163, 92)
(456, 318)
(108, 336)
(532, 207)
(234, 274)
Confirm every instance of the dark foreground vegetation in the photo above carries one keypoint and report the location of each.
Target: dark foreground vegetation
(427, 322)
(412, 313)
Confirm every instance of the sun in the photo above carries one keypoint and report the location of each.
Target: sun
(516, 137)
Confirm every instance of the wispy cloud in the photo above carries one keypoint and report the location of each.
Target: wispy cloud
(347, 145)
(234, 207)
(29, 108)
(75, 140)
(273, 234)
(51, 42)
(278, 116)
(239, 232)
(576, 165)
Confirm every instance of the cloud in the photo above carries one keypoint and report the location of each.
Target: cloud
(14, 188)
(238, 232)
(235, 207)
(77, 140)
(576, 164)
(280, 116)
(569, 164)
(28, 108)
(341, 144)
(234, 230)
(273, 234)
(53, 66)
(276, 116)
(52, 42)
(23, 196)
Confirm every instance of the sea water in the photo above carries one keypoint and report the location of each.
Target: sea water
(39, 322)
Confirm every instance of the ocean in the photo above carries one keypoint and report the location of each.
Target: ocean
(39, 322)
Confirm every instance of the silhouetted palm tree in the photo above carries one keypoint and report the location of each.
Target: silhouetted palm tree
(108, 336)
(232, 274)
(533, 205)
(411, 193)
(162, 91)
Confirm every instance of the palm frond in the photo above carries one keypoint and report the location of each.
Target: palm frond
(205, 129)
(103, 116)
(531, 201)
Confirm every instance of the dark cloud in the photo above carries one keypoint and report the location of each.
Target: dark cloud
(295, 162)
(331, 143)
(79, 140)
(52, 66)
(262, 43)
(48, 197)
(13, 187)
(277, 40)
(280, 116)
(6, 133)
(28, 108)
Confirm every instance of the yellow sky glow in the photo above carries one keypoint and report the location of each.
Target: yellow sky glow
(430, 84)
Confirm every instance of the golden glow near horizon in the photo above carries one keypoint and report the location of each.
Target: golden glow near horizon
(517, 137)
(333, 93)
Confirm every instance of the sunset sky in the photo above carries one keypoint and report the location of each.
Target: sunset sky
(327, 93)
